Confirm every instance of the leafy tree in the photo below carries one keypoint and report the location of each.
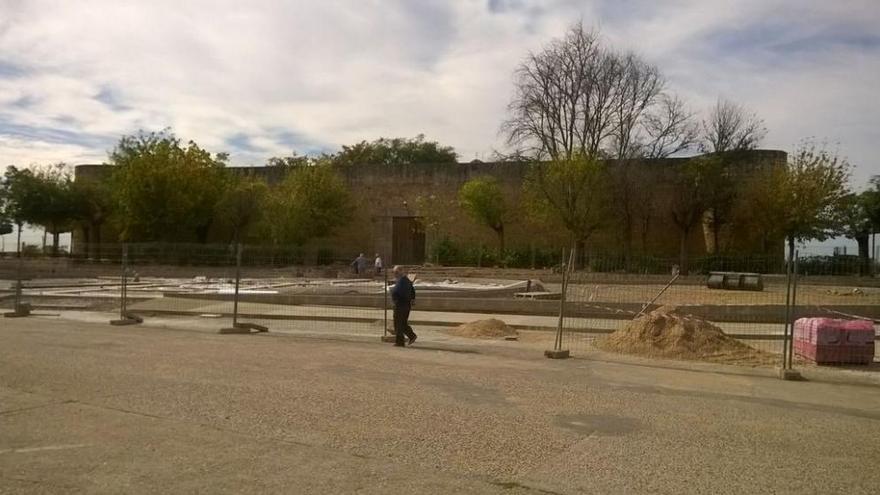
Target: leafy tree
(311, 202)
(483, 200)
(241, 206)
(572, 193)
(857, 225)
(41, 196)
(5, 220)
(55, 190)
(14, 199)
(5, 223)
(872, 206)
(165, 191)
(290, 162)
(872, 203)
(802, 201)
(92, 208)
(813, 190)
(396, 151)
(759, 208)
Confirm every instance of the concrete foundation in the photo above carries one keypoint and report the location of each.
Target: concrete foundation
(789, 374)
(127, 319)
(20, 311)
(240, 328)
(560, 354)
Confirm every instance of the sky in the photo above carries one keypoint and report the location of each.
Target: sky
(265, 78)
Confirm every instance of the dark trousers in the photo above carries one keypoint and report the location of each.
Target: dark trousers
(401, 324)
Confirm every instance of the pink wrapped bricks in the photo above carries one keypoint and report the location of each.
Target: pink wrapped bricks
(832, 341)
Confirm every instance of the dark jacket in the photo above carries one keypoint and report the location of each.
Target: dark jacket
(403, 293)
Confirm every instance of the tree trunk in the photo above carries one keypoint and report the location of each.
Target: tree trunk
(627, 248)
(873, 252)
(683, 253)
(18, 242)
(97, 244)
(202, 233)
(715, 228)
(500, 232)
(646, 229)
(44, 241)
(579, 255)
(87, 234)
(790, 250)
(864, 253)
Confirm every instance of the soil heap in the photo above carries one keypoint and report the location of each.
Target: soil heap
(664, 333)
(490, 328)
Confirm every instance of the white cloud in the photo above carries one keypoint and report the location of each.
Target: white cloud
(315, 75)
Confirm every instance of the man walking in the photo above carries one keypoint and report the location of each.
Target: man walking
(403, 294)
(359, 265)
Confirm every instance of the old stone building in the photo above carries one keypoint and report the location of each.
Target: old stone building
(402, 211)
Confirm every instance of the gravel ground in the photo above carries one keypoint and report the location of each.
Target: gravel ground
(87, 407)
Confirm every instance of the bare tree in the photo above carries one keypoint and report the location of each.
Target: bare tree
(638, 85)
(731, 127)
(690, 197)
(663, 127)
(564, 98)
(669, 128)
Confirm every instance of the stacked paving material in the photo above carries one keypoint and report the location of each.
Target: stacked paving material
(665, 333)
(491, 328)
(834, 341)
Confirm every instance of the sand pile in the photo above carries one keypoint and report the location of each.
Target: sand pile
(484, 329)
(664, 333)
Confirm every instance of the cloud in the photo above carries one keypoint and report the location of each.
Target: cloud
(265, 78)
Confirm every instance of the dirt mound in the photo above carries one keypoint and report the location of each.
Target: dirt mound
(666, 333)
(483, 329)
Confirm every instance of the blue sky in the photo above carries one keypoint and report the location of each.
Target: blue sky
(264, 78)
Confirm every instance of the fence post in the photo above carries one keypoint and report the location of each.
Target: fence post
(793, 316)
(20, 309)
(238, 327)
(786, 372)
(386, 335)
(125, 317)
(558, 352)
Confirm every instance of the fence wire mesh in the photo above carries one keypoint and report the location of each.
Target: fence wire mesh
(725, 310)
(678, 316)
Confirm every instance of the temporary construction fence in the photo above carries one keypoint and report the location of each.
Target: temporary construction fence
(753, 319)
(724, 316)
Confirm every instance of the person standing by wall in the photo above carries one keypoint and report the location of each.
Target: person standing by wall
(378, 265)
(403, 294)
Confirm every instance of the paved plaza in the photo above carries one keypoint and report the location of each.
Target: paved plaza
(86, 407)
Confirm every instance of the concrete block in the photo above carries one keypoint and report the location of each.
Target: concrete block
(388, 338)
(560, 354)
(19, 311)
(234, 330)
(789, 375)
(126, 321)
(243, 328)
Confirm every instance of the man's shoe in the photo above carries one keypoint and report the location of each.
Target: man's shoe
(412, 340)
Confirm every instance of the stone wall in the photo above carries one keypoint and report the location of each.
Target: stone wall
(430, 191)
